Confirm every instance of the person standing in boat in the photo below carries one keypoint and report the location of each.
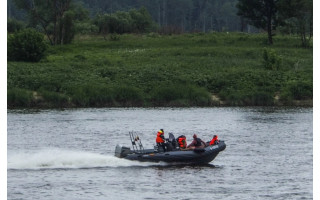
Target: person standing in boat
(196, 143)
(160, 140)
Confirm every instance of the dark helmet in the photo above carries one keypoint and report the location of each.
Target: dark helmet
(215, 136)
(162, 130)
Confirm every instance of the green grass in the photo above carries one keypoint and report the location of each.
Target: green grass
(156, 70)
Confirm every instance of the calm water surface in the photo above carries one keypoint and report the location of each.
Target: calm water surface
(68, 154)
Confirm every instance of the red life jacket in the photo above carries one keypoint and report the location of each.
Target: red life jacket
(160, 137)
(215, 139)
(182, 142)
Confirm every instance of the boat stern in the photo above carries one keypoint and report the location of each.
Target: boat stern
(121, 151)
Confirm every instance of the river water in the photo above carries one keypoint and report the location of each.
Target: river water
(69, 154)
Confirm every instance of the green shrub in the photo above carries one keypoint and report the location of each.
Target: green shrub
(165, 94)
(141, 20)
(26, 45)
(114, 37)
(180, 95)
(85, 28)
(138, 21)
(100, 95)
(247, 97)
(297, 90)
(153, 35)
(54, 98)
(271, 60)
(14, 25)
(79, 57)
(92, 95)
(260, 98)
(128, 95)
(68, 28)
(19, 97)
(198, 96)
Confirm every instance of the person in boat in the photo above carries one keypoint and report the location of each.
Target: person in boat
(160, 140)
(196, 143)
(182, 142)
(214, 140)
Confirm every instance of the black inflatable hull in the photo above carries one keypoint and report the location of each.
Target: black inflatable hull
(197, 156)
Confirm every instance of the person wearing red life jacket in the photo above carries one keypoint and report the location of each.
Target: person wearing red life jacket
(160, 140)
(182, 142)
(214, 140)
(196, 143)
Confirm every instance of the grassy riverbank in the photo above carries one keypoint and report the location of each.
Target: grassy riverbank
(152, 70)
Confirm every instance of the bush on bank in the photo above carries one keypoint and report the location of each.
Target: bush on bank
(17, 97)
(180, 95)
(26, 45)
(297, 90)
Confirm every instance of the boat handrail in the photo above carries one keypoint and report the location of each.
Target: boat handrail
(134, 140)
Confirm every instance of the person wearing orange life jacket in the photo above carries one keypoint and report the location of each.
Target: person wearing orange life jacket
(160, 140)
(196, 143)
(182, 142)
(214, 140)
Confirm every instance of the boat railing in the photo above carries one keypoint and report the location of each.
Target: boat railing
(136, 142)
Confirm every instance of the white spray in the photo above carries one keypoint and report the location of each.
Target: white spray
(58, 158)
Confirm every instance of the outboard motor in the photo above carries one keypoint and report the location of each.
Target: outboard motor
(122, 152)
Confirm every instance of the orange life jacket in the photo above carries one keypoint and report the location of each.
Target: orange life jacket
(160, 137)
(213, 140)
(182, 142)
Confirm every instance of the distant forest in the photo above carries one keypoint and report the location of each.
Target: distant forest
(180, 15)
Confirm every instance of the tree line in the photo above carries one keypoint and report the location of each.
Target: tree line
(178, 15)
(61, 19)
(290, 16)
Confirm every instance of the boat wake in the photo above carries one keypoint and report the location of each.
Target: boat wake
(67, 159)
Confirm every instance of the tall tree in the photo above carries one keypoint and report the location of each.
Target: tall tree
(299, 14)
(14, 12)
(260, 13)
(52, 15)
(198, 14)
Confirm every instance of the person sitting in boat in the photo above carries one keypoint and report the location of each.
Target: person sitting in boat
(196, 143)
(182, 141)
(160, 140)
(214, 140)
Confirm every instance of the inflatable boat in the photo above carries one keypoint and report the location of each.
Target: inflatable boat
(173, 154)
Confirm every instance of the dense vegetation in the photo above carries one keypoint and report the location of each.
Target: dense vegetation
(165, 70)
